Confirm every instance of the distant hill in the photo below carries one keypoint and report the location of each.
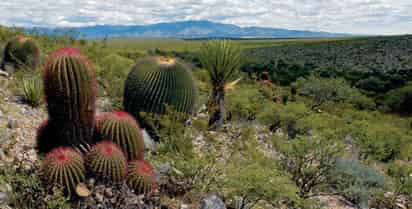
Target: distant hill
(189, 30)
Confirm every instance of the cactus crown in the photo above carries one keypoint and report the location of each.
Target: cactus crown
(122, 129)
(142, 177)
(63, 167)
(70, 89)
(158, 81)
(23, 52)
(107, 161)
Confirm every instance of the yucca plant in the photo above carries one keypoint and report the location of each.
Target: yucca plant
(142, 177)
(222, 60)
(33, 91)
(107, 161)
(122, 129)
(63, 167)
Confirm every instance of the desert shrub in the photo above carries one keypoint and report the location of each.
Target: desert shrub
(309, 160)
(33, 90)
(401, 174)
(322, 91)
(398, 100)
(285, 117)
(113, 73)
(245, 102)
(383, 144)
(355, 181)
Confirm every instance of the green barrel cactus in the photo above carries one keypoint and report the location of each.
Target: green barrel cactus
(21, 52)
(141, 177)
(63, 167)
(156, 82)
(70, 89)
(122, 129)
(107, 161)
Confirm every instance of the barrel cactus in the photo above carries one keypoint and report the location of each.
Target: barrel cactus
(46, 138)
(63, 167)
(122, 129)
(141, 177)
(21, 52)
(70, 89)
(155, 82)
(107, 161)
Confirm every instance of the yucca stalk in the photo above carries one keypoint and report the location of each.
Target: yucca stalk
(222, 60)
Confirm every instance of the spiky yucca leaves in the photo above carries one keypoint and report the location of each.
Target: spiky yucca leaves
(141, 177)
(156, 82)
(222, 60)
(21, 52)
(63, 167)
(107, 161)
(70, 89)
(122, 129)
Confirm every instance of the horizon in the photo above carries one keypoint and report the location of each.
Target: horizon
(378, 17)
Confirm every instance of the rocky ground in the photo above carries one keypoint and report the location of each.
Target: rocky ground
(18, 125)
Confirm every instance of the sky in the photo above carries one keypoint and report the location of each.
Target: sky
(346, 16)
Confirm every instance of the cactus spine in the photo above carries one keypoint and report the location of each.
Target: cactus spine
(63, 167)
(70, 89)
(122, 129)
(21, 52)
(158, 81)
(107, 161)
(141, 177)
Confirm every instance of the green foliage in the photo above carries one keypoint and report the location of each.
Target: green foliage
(383, 144)
(322, 91)
(70, 88)
(398, 100)
(106, 161)
(141, 177)
(309, 160)
(122, 129)
(22, 53)
(401, 174)
(158, 81)
(357, 182)
(26, 190)
(33, 91)
(63, 167)
(251, 177)
(245, 102)
(113, 73)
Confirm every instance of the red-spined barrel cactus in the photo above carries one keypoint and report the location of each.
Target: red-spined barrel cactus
(142, 177)
(63, 167)
(156, 82)
(107, 161)
(122, 129)
(21, 52)
(70, 89)
(46, 138)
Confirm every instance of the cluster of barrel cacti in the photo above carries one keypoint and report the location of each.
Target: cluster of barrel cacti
(77, 142)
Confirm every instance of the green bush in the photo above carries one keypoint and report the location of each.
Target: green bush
(356, 182)
(398, 100)
(113, 73)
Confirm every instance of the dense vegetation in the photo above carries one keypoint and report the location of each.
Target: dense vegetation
(298, 125)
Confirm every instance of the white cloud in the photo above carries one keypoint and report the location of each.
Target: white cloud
(354, 16)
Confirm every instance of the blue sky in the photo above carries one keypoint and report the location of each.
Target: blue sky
(351, 16)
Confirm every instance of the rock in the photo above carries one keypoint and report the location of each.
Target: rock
(165, 168)
(184, 206)
(99, 197)
(149, 143)
(212, 202)
(3, 197)
(108, 192)
(3, 73)
(12, 124)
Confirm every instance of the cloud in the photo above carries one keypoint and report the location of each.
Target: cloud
(354, 16)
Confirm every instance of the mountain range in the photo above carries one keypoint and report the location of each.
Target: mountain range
(187, 30)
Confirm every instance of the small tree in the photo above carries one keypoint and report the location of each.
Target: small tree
(309, 160)
(222, 61)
